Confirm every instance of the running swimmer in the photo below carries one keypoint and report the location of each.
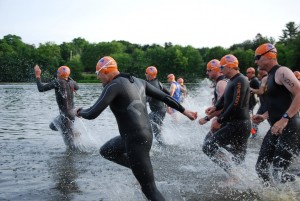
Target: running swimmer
(183, 89)
(126, 96)
(65, 87)
(233, 124)
(157, 107)
(220, 82)
(282, 142)
(175, 91)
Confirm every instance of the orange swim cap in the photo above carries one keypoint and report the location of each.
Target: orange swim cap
(108, 64)
(267, 50)
(171, 76)
(152, 71)
(180, 81)
(63, 72)
(250, 70)
(213, 65)
(297, 74)
(230, 61)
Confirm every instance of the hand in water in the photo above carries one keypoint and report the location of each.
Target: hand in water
(37, 71)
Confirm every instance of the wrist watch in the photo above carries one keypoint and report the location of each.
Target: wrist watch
(286, 116)
(206, 118)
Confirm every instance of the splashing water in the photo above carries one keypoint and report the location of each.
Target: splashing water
(36, 166)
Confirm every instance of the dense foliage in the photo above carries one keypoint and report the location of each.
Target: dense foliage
(17, 58)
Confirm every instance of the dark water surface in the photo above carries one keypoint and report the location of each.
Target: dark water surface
(35, 164)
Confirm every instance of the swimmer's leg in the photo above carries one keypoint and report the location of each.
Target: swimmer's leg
(140, 163)
(53, 127)
(55, 124)
(265, 157)
(156, 120)
(115, 151)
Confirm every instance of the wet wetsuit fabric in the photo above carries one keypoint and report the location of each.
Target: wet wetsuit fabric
(158, 110)
(64, 93)
(278, 150)
(235, 119)
(254, 84)
(126, 96)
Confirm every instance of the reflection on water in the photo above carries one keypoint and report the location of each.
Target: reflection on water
(35, 164)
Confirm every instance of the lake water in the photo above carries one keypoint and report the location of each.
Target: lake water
(35, 164)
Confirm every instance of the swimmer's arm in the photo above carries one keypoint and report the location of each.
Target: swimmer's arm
(172, 89)
(45, 87)
(106, 97)
(286, 77)
(261, 89)
(220, 88)
(220, 103)
(158, 94)
(164, 89)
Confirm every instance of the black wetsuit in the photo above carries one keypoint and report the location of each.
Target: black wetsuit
(64, 92)
(235, 120)
(254, 84)
(278, 150)
(126, 96)
(158, 110)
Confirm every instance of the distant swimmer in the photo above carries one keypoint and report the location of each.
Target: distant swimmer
(219, 82)
(126, 97)
(183, 89)
(64, 87)
(262, 76)
(175, 91)
(157, 107)
(233, 124)
(281, 144)
(254, 84)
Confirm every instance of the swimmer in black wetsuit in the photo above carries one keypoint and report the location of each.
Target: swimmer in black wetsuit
(282, 142)
(157, 107)
(126, 96)
(233, 124)
(64, 91)
(213, 72)
(254, 84)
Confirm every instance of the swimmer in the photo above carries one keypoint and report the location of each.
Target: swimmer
(126, 97)
(64, 87)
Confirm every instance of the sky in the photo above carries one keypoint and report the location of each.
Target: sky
(199, 23)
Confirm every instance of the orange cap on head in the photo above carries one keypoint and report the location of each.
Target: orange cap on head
(250, 70)
(152, 71)
(63, 72)
(213, 65)
(171, 76)
(297, 74)
(267, 50)
(180, 81)
(230, 61)
(106, 64)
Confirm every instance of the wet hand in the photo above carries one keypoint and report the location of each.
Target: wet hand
(191, 115)
(37, 71)
(278, 127)
(76, 111)
(257, 118)
(210, 110)
(202, 121)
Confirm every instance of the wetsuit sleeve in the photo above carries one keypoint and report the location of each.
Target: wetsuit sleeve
(45, 87)
(76, 86)
(158, 94)
(238, 96)
(107, 96)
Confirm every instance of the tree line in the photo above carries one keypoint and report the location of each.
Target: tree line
(18, 58)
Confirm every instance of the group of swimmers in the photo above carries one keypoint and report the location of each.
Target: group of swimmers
(127, 95)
